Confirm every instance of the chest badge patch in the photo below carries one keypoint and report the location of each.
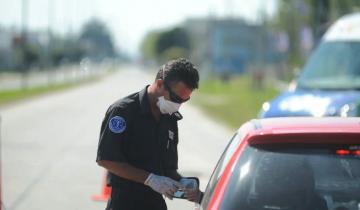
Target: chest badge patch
(171, 135)
(117, 124)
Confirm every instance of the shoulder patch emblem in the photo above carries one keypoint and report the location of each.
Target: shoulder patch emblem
(117, 124)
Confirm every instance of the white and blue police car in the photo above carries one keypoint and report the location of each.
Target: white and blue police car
(329, 84)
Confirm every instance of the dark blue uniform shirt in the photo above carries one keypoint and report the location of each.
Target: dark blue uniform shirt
(130, 133)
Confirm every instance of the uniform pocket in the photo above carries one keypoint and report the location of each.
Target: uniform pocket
(170, 155)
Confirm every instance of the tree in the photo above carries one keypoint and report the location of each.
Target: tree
(290, 16)
(318, 14)
(342, 7)
(165, 45)
(148, 45)
(176, 37)
(97, 40)
(31, 54)
(173, 53)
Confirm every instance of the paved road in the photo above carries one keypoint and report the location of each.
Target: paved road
(49, 145)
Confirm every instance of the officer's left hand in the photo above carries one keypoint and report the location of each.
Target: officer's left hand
(193, 195)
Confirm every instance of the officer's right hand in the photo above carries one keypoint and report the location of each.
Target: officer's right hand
(163, 185)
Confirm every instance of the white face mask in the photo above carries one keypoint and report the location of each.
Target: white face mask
(166, 106)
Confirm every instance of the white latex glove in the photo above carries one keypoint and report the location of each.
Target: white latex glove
(163, 185)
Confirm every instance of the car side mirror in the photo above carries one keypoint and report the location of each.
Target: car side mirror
(189, 183)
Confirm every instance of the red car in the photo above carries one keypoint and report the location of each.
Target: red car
(289, 164)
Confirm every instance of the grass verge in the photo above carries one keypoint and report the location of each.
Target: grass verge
(8, 96)
(232, 103)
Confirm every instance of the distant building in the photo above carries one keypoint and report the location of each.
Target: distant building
(11, 47)
(5, 49)
(227, 46)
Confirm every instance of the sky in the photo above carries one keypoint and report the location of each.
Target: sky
(129, 20)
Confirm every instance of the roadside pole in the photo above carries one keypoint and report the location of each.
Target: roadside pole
(1, 200)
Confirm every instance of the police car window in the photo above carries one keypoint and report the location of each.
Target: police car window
(334, 65)
(308, 177)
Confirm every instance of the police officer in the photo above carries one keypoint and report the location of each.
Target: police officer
(139, 137)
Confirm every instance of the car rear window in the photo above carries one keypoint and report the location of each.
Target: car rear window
(307, 177)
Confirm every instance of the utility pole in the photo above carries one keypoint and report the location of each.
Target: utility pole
(1, 200)
(50, 18)
(321, 18)
(24, 17)
(229, 8)
(49, 42)
(260, 67)
(24, 63)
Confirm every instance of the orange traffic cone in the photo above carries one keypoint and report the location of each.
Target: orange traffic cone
(106, 191)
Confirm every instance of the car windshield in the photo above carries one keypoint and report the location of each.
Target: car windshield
(333, 65)
(283, 178)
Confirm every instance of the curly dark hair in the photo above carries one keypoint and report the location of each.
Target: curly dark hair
(179, 70)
